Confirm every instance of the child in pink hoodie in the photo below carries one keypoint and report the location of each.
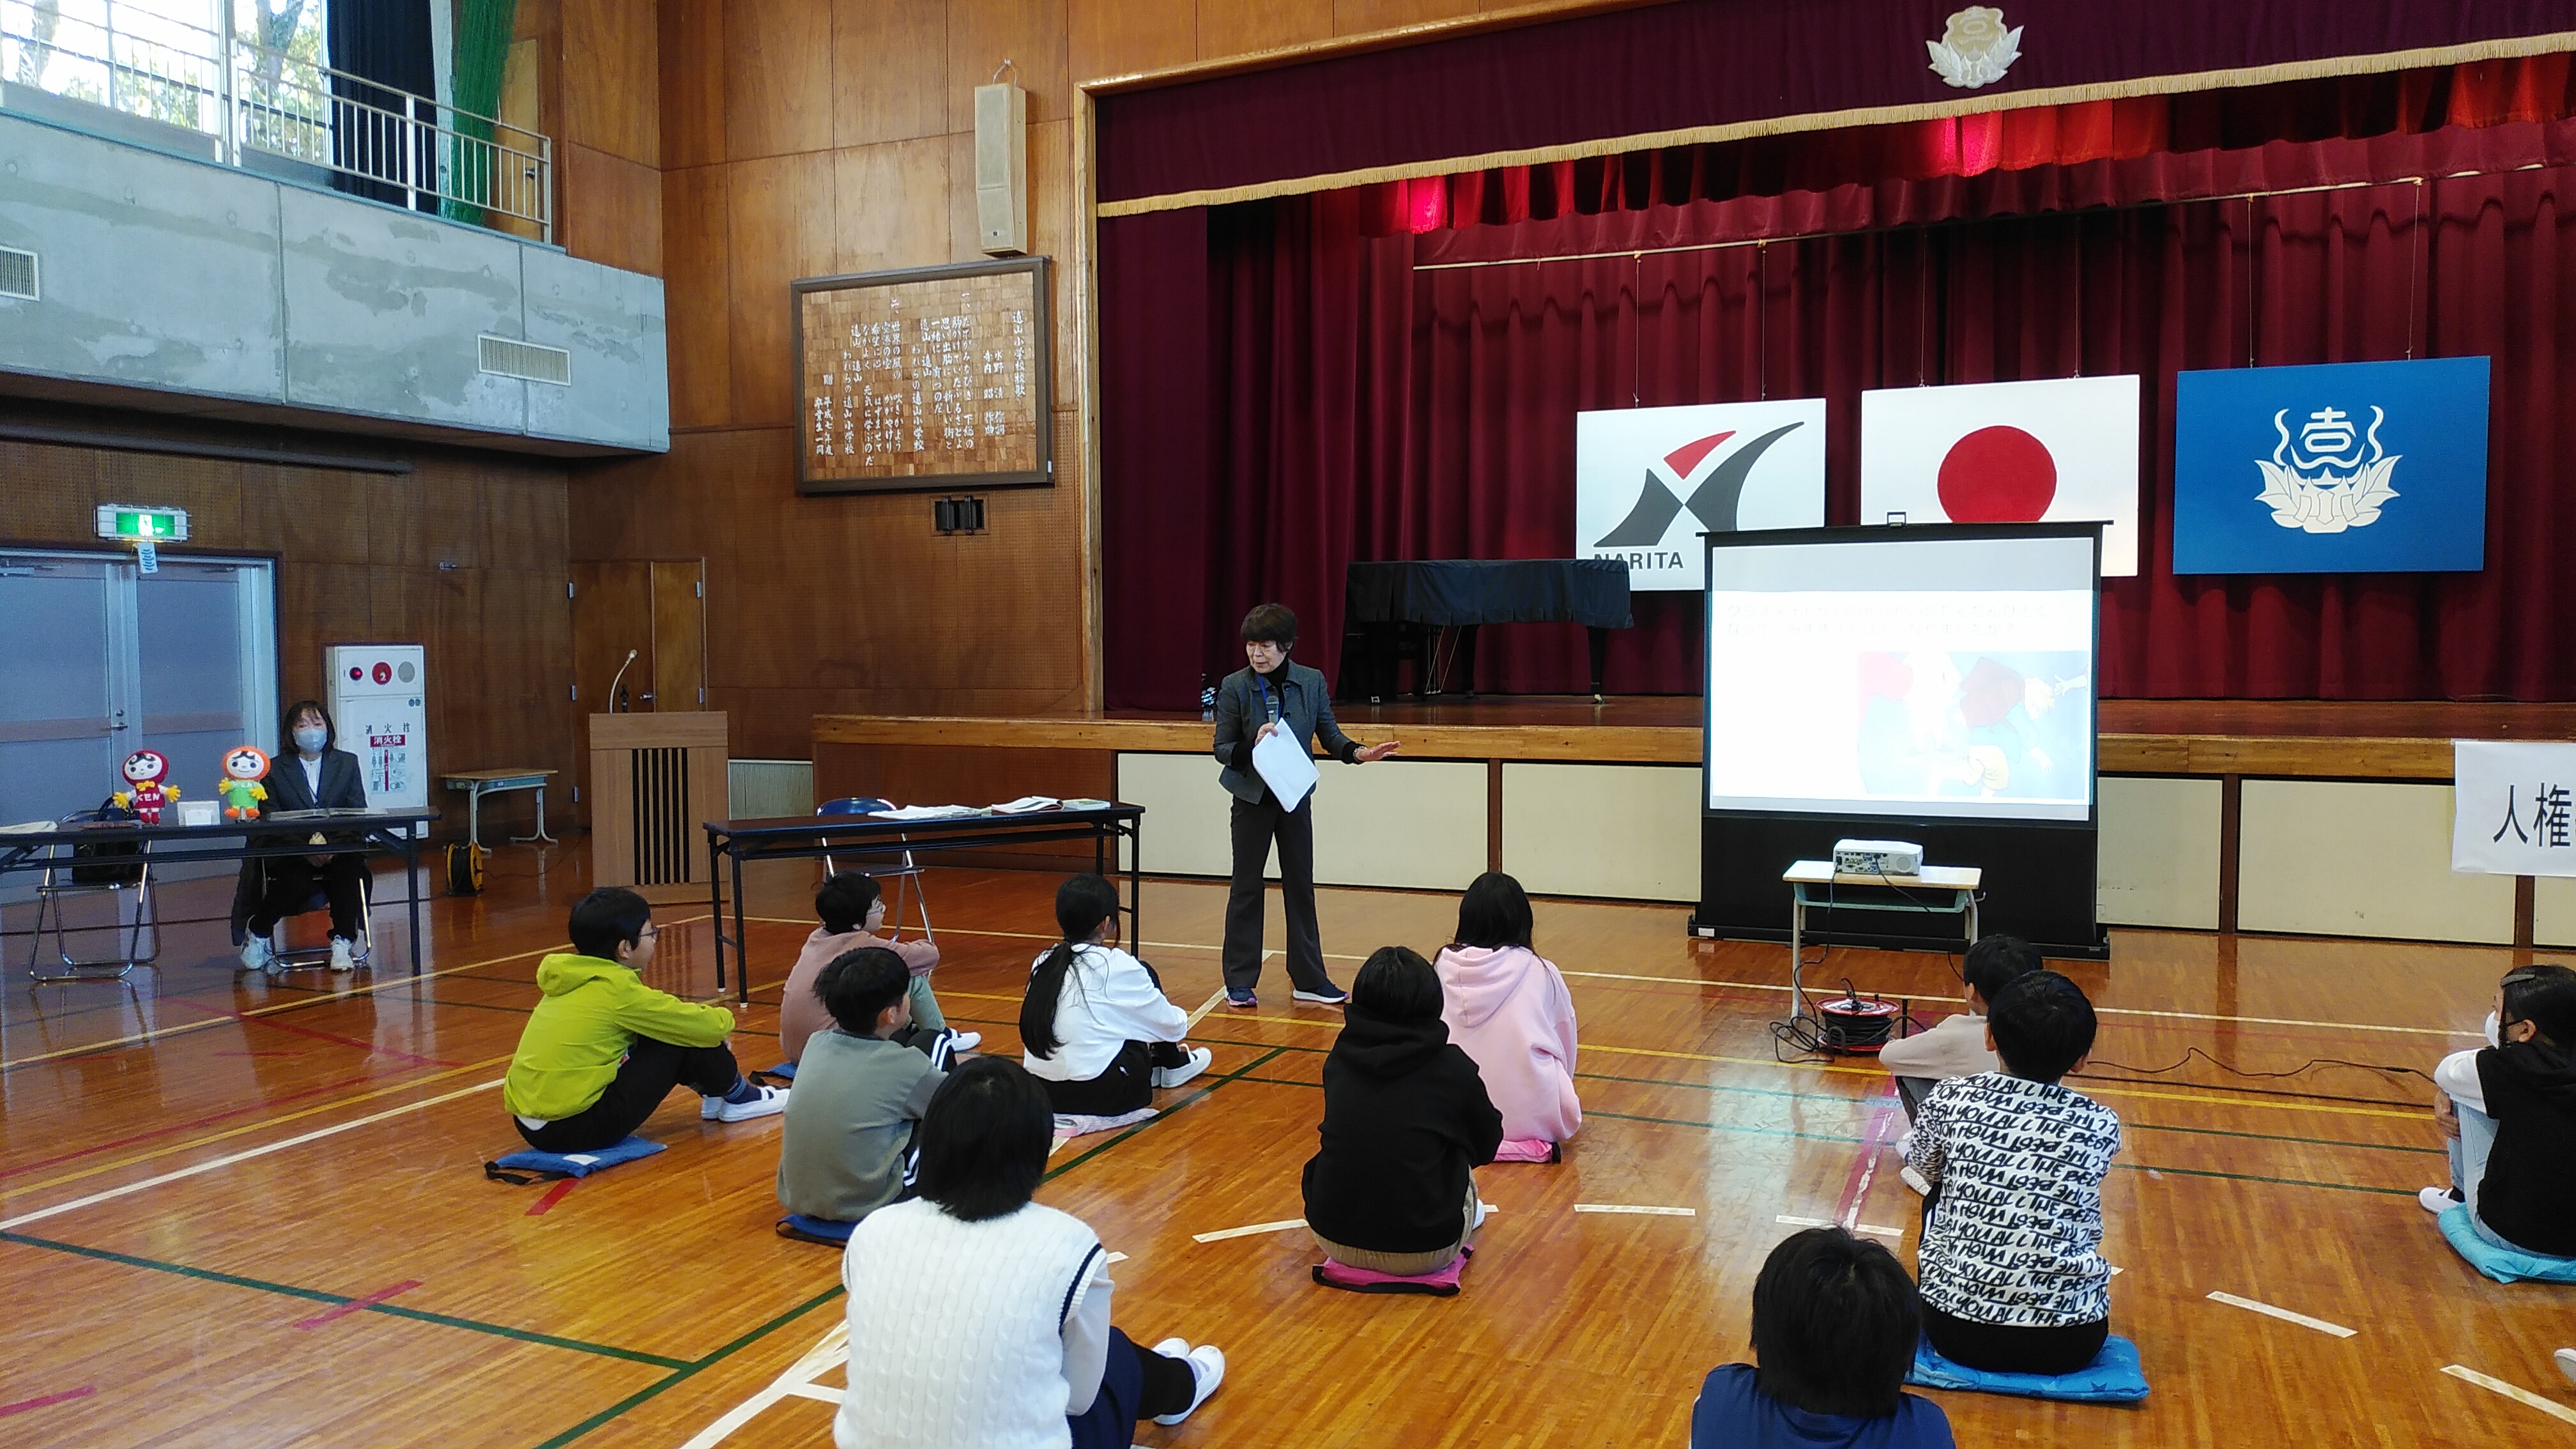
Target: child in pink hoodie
(1507, 1007)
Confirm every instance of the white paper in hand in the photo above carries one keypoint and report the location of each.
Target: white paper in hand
(1285, 767)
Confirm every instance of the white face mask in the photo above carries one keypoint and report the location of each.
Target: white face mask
(310, 741)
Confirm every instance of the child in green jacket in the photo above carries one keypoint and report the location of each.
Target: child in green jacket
(603, 1049)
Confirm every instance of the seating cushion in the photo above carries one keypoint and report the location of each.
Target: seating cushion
(531, 1165)
(2113, 1377)
(2505, 1265)
(1442, 1284)
(815, 1230)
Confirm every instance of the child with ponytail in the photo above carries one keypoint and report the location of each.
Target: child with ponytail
(1096, 1029)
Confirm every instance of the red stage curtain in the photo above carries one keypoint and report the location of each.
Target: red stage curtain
(1590, 79)
(1362, 408)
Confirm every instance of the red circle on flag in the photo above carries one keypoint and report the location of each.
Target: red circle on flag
(1997, 475)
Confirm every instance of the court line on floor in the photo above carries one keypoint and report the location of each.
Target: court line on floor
(1781, 987)
(684, 1372)
(2283, 1314)
(101, 1048)
(1248, 1231)
(211, 1117)
(1636, 1209)
(1851, 1227)
(357, 1305)
(305, 1031)
(316, 1295)
(48, 1401)
(2524, 1396)
(246, 1155)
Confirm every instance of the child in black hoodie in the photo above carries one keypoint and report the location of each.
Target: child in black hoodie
(2513, 1154)
(1406, 1120)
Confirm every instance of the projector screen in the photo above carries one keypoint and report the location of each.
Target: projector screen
(1912, 672)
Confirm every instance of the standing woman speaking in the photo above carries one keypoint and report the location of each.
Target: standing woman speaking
(1273, 694)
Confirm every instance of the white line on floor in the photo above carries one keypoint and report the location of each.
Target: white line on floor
(41, 1214)
(2283, 1314)
(797, 1381)
(2519, 1396)
(1622, 1207)
(1205, 1007)
(1118, 1257)
(1872, 1229)
(1281, 1226)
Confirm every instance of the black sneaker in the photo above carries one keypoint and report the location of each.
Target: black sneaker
(1331, 995)
(1241, 1000)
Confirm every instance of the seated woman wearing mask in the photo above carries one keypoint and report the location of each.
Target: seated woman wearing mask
(309, 775)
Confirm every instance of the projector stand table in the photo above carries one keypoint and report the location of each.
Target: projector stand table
(1951, 891)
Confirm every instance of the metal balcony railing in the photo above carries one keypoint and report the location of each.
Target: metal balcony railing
(140, 60)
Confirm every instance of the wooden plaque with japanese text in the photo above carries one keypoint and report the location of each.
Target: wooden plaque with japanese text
(924, 380)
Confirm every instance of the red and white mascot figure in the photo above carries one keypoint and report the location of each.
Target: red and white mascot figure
(144, 793)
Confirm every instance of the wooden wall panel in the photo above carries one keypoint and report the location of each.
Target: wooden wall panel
(359, 557)
(1123, 37)
(890, 202)
(697, 294)
(612, 209)
(1243, 27)
(778, 77)
(612, 95)
(780, 229)
(890, 71)
(1029, 33)
(1359, 17)
(692, 55)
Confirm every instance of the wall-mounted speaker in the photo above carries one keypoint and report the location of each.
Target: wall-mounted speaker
(1002, 169)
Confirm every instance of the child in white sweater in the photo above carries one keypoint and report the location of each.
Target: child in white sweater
(980, 1320)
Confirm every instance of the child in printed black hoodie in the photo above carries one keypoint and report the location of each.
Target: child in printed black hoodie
(1406, 1121)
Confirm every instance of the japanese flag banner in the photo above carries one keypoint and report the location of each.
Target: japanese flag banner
(2513, 808)
(2061, 450)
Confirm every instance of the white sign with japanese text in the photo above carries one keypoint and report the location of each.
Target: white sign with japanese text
(2514, 808)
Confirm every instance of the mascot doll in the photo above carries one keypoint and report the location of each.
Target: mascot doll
(244, 767)
(144, 793)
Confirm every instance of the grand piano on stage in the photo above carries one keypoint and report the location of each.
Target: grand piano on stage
(1397, 608)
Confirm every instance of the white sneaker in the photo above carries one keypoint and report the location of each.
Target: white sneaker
(965, 1041)
(1174, 1076)
(256, 954)
(340, 959)
(770, 1102)
(2566, 1363)
(1916, 1181)
(2437, 1199)
(1207, 1367)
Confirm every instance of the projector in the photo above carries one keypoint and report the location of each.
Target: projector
(1877, 857)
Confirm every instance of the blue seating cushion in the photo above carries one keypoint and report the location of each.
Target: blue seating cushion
(814, 1230)
(2113, 1377)
(2505, 1265)
(572, 1164)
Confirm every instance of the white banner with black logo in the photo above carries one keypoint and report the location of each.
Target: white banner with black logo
(2514, 808)
(1649, 481)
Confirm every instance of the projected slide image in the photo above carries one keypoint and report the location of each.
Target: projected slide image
(1946, 724)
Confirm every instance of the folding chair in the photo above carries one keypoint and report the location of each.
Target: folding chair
(285, 957)
(75, 876)
(896, 865)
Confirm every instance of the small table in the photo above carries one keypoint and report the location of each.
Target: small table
(1814, 883)
(478, 783)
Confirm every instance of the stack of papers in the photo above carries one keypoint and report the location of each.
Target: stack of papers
(1028, 803)
(26, 827)
(927, 812)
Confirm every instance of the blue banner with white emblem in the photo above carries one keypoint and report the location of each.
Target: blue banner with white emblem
(2355, 467)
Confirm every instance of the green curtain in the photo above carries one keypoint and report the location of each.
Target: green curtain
(483, 30)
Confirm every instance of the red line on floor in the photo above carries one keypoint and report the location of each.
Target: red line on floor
(554, 1194)
(208, 1119)
(23, 1405)
(359, 1305)
(274, 1025)
(259, 1054)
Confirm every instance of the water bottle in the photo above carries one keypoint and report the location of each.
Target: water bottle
(1207, 700)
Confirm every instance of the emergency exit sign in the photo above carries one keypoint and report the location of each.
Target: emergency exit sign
(130, 524)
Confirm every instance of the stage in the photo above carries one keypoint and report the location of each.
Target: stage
(2293, 816)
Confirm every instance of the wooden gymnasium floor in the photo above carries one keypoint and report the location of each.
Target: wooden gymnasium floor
(253, 1215)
